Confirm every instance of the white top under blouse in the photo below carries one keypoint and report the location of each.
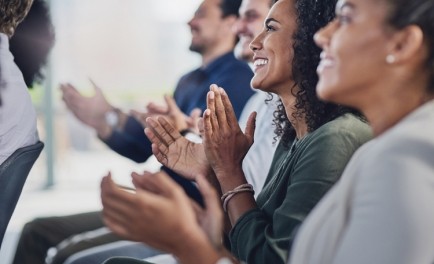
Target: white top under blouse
(17, 115)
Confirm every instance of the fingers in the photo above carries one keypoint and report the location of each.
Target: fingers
(69, 94)
(155, 109)
(192, 123)
(141, 117)
(250, 127)
(163, 130)
(220, 111)
(158, 183)
(205, 126)
(171, 104)
(96, 88)
(116, 202)
(229, 109)
(211, 106)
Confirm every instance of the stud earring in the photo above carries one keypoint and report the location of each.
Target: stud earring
(390, 59)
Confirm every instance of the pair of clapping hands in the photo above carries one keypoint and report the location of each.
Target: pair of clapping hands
(159, 213)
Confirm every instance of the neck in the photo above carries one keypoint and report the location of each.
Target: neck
(297, 122)
(389, 108)
(210, 55)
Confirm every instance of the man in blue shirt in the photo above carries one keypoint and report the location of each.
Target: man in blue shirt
(213, 38)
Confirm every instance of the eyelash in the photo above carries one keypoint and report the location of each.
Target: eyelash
(269, 28)
(343, 19)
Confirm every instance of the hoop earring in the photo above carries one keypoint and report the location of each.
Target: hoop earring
(390, 59)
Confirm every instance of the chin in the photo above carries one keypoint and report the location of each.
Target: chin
(325, 91)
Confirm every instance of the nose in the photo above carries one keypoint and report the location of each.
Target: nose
(322, 37)
(256, 43)
(191, 21)
(240, 26)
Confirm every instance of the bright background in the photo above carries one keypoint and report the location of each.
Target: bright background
(135, 50)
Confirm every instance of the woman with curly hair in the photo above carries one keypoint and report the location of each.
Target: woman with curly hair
(318, 139)
(17, 115)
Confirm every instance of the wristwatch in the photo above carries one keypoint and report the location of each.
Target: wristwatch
(112, 118)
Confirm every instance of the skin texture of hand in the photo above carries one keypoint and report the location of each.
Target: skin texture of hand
(161, 215)
(225, 143)
(174, 151)
(211, 218)
(89, 110)
(172, 113)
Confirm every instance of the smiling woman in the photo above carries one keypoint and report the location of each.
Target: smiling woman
(378, 56)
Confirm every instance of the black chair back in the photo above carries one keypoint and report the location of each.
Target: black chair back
(13, 175)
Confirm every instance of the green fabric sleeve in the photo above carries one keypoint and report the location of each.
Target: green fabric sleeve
(264, 235)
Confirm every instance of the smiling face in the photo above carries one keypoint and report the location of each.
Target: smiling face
(355, 46)
(273, 51)
(250, 24)
(206, 26)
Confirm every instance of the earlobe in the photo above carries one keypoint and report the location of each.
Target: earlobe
(408, 42)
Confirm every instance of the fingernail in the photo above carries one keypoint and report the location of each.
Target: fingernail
(211, 95)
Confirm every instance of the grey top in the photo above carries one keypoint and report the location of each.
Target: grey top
(382, 210)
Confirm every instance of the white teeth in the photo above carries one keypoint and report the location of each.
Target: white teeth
(322, 55)
(260, 62)
(324, 63)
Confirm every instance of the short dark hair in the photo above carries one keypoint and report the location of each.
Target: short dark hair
(230, 7)
(312, 15)
(32, 42)
(416, 12)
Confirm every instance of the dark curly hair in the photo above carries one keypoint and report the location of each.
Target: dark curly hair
(311, 16)
(12, 12)
(32, 42)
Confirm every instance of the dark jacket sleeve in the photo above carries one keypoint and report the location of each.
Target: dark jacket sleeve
(237, 86)
(131, 142)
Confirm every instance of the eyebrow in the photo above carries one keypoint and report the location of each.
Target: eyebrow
(339, 6)
(268, 20)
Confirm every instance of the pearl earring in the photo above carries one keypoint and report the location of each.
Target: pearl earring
(390, 59)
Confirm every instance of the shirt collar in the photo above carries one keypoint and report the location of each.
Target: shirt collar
(218, 62)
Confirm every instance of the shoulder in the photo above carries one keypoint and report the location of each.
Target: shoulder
(347, 131)
(413, 136)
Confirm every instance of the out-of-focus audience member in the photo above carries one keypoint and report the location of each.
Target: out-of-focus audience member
(213, 38)
(32, 42)
(17, 115)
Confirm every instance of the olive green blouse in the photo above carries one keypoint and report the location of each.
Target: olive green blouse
(299, 177)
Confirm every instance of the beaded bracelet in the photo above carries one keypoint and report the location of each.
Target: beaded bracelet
(242, 188)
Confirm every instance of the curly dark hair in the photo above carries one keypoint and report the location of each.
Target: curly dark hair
(32, 42)
(12, 12)
(311, 16)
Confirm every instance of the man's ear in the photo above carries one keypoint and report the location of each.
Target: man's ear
(407, 43)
